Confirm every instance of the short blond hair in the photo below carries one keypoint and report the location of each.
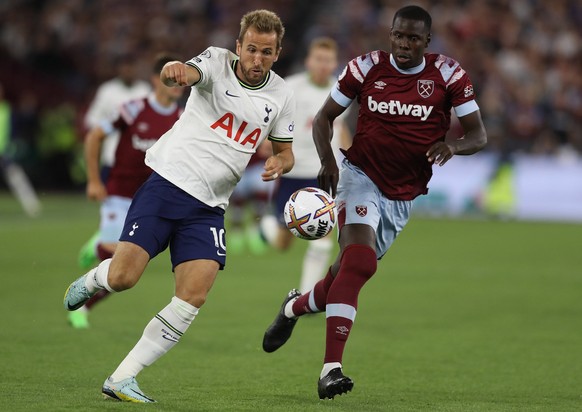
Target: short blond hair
(264, 21)
(323, 43)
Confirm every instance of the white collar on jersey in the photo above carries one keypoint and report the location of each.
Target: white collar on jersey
(413, 70)
(158, 108)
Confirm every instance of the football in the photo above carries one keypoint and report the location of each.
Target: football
(310, 213)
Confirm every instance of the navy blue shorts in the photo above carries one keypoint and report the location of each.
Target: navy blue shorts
(287, 186)
(162, 214)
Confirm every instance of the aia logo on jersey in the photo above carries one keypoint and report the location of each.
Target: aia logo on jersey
(361, 210)
(425, 88)
(238, 133)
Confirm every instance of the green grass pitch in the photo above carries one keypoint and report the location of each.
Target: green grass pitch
(463, 315)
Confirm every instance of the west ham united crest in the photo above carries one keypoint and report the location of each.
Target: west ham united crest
(425, 88)
(361, 210)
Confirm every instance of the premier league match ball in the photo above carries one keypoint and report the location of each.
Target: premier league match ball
(310, 213)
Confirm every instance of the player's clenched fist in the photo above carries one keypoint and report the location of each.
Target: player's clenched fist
(179, 74)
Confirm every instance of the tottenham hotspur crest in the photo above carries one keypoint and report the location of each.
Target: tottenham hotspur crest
(425, 88)
(268, 110)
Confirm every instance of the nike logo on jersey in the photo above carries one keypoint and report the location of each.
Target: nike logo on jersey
(396, 107)
(230, 94)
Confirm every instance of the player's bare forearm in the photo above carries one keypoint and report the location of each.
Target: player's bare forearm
(474, 140)
(328, 175)
(475, 137)
(287, 159)
(470, 143)
(92, 151)
(178, 74)
(93, 142)
(323, 128)
(280, 162)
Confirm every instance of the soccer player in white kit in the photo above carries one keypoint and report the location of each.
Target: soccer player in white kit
(312, 87)
(235, 103)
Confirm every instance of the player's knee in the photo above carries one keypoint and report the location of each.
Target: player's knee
(284, 239)
(360, 260)
(196, 299)
(105, 250)
(121, 280)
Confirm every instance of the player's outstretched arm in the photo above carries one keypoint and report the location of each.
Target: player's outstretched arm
(475, 139)
(280, 162)
(179, 74)
(322, 134)
(93, 142)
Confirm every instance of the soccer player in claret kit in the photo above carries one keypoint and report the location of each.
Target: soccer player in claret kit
(405, 101)
(235, 103)
(139, 123)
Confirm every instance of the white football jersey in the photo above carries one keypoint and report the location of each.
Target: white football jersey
(309, 98)
(207, 150)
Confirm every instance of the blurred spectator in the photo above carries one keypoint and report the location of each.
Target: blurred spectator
(13, 174)
(59, 148)
(526, 54)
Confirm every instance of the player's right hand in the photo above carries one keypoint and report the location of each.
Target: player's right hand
(174, 74)
(96, 191)
(328, 177)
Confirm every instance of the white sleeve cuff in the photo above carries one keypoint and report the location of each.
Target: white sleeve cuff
(466, 108)
(339, 97)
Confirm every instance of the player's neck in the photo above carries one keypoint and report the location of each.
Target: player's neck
(163, 101)
(321, 83)
(412, 70)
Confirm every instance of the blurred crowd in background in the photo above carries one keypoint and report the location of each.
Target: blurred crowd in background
(524, 57)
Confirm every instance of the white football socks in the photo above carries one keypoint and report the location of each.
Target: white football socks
(159, 336)
(289, 308)
(269, 228)
(328, 367)
(97, 277)
(315, 263)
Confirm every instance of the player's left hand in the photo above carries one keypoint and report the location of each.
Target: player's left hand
(440, 153)
(273, 169)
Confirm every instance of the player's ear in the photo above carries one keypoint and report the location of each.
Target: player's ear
(238, 47)
(277, 55)
(428, 38)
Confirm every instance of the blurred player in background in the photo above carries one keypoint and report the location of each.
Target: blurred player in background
(311, 88)
(406, 99)
(105, 107)
(236, 102)
(139, 124)
(250, 195)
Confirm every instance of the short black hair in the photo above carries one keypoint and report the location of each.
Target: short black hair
(161, 59)
(414, 13)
